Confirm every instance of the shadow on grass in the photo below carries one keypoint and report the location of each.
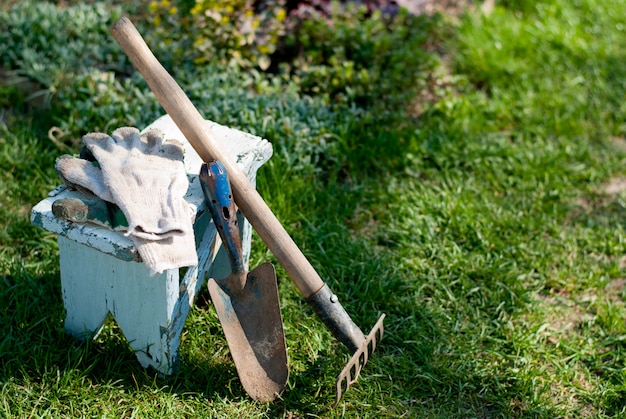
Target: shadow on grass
(34, 345)
(35, 350)
(432, 362)
(417, 365)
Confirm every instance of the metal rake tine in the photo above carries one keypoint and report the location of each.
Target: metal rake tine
(359, 359)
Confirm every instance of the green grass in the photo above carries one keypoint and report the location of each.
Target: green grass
(489, 226)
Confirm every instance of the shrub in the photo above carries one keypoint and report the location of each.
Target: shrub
(304, 131)
(343, 53)
(98, 101)
(300, 110)
(70, 55)
(356, 55)
(86, 92)
(205, 31)
(50, 44)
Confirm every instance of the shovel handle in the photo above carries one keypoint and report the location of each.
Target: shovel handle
(198, 133)
(219, 199)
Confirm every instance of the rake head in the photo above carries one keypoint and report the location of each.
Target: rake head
(351, 371)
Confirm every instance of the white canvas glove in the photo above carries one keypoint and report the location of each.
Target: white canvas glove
(145, 177)
(84, 176)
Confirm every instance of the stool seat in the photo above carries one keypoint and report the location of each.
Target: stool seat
(102, 272)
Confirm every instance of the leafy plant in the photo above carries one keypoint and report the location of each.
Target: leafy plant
(205, 31)
(304, 131)
(341, 52)
(356, 55)
(97, 101)
(50, 44)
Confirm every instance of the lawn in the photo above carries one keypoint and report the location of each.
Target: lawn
(470, 184)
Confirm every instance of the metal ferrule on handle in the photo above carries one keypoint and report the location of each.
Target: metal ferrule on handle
(326, 305)
(218, 195)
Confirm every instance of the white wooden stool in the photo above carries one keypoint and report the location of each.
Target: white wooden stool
(102, 273)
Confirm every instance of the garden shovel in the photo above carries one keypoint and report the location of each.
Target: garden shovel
(246, 302)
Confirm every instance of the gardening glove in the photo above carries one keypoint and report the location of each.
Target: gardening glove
(83, 176)
(145, 177)
(97, 206)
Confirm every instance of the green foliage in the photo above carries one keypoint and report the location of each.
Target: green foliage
(51, 44)
(206, 31)
(97, 101)
(354, 57)
(62, 57)
(91, 98)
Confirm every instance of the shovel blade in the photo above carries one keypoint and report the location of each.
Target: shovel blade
(253, 326)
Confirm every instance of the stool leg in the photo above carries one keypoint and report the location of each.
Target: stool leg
(143, 306)
(82, 283)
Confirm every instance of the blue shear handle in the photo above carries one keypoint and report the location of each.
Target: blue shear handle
(219, 198)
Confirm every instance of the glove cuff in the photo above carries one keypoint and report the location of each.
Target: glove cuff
(170, 253)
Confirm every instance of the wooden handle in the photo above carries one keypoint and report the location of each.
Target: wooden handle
(197, 131)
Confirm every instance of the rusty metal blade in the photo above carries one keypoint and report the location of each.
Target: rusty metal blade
(351, 371)
(253, 327)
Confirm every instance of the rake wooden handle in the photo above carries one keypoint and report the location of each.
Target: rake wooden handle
(199, 135)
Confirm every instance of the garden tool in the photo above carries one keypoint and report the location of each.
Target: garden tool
(251, 204)
(246, 302)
